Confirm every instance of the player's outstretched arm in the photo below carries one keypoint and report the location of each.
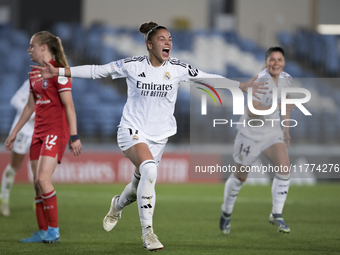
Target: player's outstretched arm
(48, 71)
(258, 87)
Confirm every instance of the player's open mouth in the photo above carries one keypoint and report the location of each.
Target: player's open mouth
(166, 53)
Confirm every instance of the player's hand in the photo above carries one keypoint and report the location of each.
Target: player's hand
(10, 141)
(258, 87)
(44, 72)
(76, 147)
(286, 138)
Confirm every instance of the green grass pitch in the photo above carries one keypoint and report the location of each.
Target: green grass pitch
(186, 221)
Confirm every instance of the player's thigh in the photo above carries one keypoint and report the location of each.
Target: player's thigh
(16, 160)
(46, 167)
(138, 154)
(277, 154)
(241, 172)
(246, 150)
(157, 149)
(48, 150)
(134, 146)
(34, 168)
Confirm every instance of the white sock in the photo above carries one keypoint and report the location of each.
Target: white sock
(129, 195)
(231, 189)
(280, 188)
(7, 182)
(146, 195)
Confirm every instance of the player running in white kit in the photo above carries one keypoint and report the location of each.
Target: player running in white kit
(147, 119)
(20, 147)
(267, 138)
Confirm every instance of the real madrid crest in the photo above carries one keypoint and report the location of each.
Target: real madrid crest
(167, 76)
(135, 138)
(45, 84)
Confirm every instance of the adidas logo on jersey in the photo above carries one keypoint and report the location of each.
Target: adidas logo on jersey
(142, 75)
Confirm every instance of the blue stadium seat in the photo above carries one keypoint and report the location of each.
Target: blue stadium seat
(299, 132)
(247, 45)
(301, 43)
(182, 40)
(293, 69)
(107, 54)
(231, 37)
(332, 65)
(5, 30)
(7, 113)
(317, 50)
(64, 30)
(234, 72)
(286, 39)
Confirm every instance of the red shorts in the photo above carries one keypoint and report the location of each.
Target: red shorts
(50, 145)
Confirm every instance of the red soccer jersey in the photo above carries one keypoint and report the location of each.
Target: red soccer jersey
(50, 114)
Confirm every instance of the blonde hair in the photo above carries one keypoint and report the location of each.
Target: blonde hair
(54, 45)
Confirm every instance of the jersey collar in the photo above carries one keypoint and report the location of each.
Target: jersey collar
(53, 62)
(147, 59)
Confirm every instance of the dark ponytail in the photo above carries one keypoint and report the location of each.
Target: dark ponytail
(149, 29)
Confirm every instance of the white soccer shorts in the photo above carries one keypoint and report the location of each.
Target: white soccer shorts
(247, 150)
(22, 143)
(128, 137)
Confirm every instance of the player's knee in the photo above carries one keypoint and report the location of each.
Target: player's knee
(43, 181)
(37, 187)
(241, 176)
(242, 179)
(38, 184)
(148, 169)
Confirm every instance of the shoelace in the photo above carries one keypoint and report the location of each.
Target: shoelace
(151, 237)
(115, 217)
(281, 223)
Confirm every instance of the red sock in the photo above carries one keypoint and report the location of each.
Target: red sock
(40, 213)
(51, 208)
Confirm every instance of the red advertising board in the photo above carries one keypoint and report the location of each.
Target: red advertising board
(108, 167)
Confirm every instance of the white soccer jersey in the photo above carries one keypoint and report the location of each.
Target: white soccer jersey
(152, 91)
(18, 101)
(270, 122)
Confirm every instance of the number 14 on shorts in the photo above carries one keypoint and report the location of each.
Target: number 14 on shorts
(246, 150)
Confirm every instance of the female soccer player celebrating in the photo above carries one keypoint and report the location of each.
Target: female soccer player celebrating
(269, 139)
(147, 119)
(55, 121)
